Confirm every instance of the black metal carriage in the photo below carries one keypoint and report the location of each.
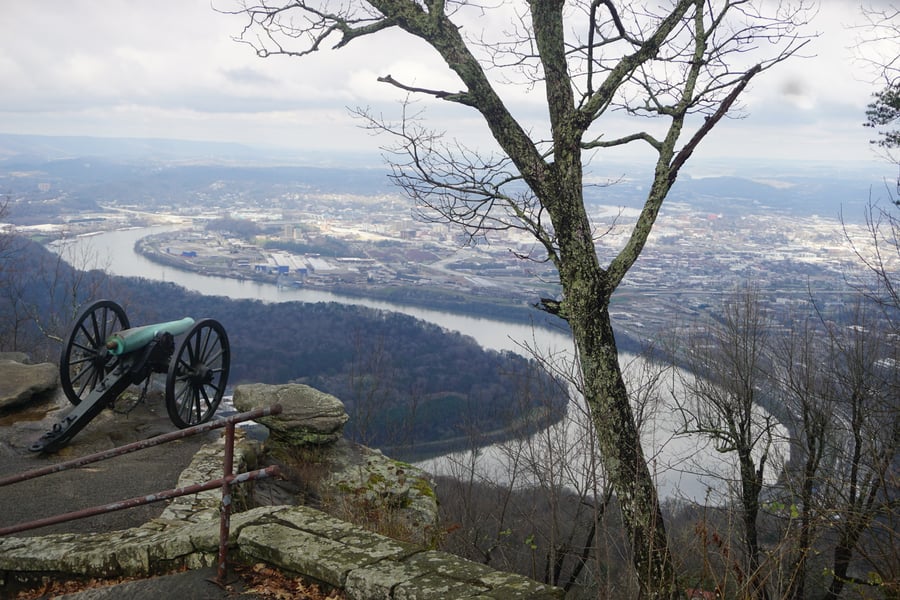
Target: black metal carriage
(103, 355)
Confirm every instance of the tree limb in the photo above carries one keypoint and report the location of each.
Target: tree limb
(710, 122)
(460, 97)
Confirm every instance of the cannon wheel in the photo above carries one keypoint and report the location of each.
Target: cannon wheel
(198, 374)
(85, 361)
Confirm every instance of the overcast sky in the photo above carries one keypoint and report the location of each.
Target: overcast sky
(170, 69)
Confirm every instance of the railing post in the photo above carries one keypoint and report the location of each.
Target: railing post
(225, 512)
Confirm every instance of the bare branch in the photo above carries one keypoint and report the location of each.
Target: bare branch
(460, 97)
(456, 184)
(641, 135)
(272, 29)
(710, 122)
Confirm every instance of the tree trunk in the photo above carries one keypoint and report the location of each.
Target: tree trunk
(843, 552)
(751, 481)
(797, 586)
(587, 289)
(619, 441)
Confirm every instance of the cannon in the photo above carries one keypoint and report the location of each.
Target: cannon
(103, 355)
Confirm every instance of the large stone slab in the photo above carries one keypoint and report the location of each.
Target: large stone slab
(19, 382)
(308, 415)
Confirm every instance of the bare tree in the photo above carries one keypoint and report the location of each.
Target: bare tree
(5, 236)
(11, 318)
(41, 292)
(673, 70)
(804, 370)
(477, 501)
(67, 279)
(878, 251)
(371, 383)
(728, 366)
(560, 461)
(866, 420)
(839, 381)
(537, 503)
(878, 49)
(15, 315)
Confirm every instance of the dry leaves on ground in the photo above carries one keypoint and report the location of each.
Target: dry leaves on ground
(266, 582)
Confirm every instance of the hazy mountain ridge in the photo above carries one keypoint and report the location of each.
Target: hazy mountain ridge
(38, 148)
(105, 169)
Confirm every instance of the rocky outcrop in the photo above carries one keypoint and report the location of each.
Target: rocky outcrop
(360, 480)
(308, 416)
(368, 566)
(296, 539)
(20, 382)
(207, 466)
(347, 478)
(15, 356)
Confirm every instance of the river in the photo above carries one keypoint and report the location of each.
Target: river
(684, 467)
(113, 251)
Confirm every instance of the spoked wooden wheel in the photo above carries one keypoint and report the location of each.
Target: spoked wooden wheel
(85, 361)
(198, 374)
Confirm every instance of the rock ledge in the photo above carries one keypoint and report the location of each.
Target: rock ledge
(20, 382)
(296, 539)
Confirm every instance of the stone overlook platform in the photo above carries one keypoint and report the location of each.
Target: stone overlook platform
(295, 539)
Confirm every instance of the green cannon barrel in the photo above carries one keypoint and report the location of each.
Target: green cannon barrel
(129, 340)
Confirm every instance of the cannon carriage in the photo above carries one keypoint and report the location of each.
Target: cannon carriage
(103, 355)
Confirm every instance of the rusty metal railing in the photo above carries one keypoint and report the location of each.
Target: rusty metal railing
(225, 482)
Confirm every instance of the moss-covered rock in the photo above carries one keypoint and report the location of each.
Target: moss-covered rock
(308, 416)
(394, 496)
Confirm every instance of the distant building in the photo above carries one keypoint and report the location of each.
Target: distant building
(272, 269)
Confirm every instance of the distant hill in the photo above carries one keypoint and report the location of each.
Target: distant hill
(52, 177)
(103, 169)
(31, 149)
(47, 148)
(804, 193)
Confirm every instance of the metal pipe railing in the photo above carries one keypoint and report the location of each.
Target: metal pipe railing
(142, 444)
(225, 482)
(139, 501)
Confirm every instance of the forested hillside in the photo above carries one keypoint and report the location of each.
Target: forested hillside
(404, 381)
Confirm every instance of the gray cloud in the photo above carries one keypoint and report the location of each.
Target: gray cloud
(793, 87)
(247, 75)
(172, 68)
